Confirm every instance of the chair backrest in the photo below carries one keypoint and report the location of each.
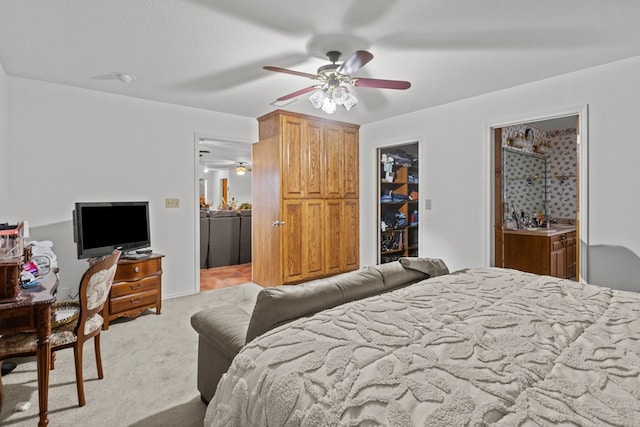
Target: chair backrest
(94, 289)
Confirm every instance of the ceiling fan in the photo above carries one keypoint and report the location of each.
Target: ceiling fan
(334, 81)
(242, 168)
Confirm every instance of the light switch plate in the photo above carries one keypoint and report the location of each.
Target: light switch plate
(427, 204)
(171, 203)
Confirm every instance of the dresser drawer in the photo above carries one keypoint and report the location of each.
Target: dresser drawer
(130, 302)
(132, 271)
(131, 288)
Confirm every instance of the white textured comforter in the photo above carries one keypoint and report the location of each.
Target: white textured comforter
(478, 347)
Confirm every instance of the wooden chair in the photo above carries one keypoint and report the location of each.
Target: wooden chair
(94, 291)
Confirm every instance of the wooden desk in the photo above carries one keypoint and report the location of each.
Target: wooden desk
(33, 312)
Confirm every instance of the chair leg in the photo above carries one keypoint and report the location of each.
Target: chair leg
(77, 352)
(96, 344)
(1, 388)
(52, 361)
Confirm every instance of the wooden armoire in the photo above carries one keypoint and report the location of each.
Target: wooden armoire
(305, 198)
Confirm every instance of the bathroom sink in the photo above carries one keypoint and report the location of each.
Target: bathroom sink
(546, 230)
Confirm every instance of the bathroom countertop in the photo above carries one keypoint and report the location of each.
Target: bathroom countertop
(554, 230)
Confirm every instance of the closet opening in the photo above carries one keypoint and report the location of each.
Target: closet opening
(398, 206)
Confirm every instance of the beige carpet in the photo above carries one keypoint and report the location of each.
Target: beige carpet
(150, 373)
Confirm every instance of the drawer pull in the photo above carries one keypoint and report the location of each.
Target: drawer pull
(135, 300)
(135, 286)
(136, 269)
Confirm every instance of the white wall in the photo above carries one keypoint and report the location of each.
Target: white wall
(4, 147)
(215, 188)
(81, 145)
(455, 159)
(240, 187)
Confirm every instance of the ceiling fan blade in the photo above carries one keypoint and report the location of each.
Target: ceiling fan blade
(284, 70)
(353, 63)
(297, 93)
(381, 84)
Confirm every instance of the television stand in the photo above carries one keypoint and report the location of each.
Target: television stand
(137, 286)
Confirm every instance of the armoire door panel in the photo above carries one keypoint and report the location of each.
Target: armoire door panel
(313, 241)
(292, 236)
(333, 235)
(314, 159)
(351, 161)
(335, 161)
(351, 233)
(293, 155)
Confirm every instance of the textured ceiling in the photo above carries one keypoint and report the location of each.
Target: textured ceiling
(209, 54)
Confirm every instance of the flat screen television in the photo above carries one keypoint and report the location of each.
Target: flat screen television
(101, 227)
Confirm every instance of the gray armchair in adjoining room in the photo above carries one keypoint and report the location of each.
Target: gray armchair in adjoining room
(224, 238)
(245, 237)
(204, 238)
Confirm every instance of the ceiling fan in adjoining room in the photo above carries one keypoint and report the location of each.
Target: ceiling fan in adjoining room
(242, 168)
(336, 79)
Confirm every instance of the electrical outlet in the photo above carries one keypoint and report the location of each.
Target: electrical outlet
(64, 293)
(171, 203)
(427, 204)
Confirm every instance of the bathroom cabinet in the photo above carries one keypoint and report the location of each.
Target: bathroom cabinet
(551, 253)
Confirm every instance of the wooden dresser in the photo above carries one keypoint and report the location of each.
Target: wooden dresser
(137, 286)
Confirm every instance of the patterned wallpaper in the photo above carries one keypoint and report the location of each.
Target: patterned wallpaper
(559, 181)
(562, 163)
(524, 183)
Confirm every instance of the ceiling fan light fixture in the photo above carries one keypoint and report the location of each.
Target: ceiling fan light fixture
(329, 105)
(340, 94)
(241, 169)
(329, 97)
(349, 101)
(317, 98)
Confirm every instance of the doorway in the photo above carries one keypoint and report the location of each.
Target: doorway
(398, 191)
(221, 186)
(539, 195)
(224, 189)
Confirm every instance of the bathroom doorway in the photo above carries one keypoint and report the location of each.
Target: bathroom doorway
(539, 185)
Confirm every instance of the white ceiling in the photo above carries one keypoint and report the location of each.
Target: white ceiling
(223, 155)
(209, 54)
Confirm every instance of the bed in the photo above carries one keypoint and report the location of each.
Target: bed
(484, 346)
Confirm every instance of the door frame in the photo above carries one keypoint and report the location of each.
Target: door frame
(196, 197)
(582, 157)
(375, 179)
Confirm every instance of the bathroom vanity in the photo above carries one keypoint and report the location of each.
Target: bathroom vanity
(545, 251)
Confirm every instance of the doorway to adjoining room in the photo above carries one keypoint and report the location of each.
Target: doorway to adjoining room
(225, 213)
(537, 196)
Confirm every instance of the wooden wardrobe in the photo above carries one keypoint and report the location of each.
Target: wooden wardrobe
(305, 198)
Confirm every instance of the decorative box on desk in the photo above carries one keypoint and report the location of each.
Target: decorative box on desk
(137, 286)
(9, 280)
(11, 251)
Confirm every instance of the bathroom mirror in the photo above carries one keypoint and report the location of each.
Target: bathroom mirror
(524, 183)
